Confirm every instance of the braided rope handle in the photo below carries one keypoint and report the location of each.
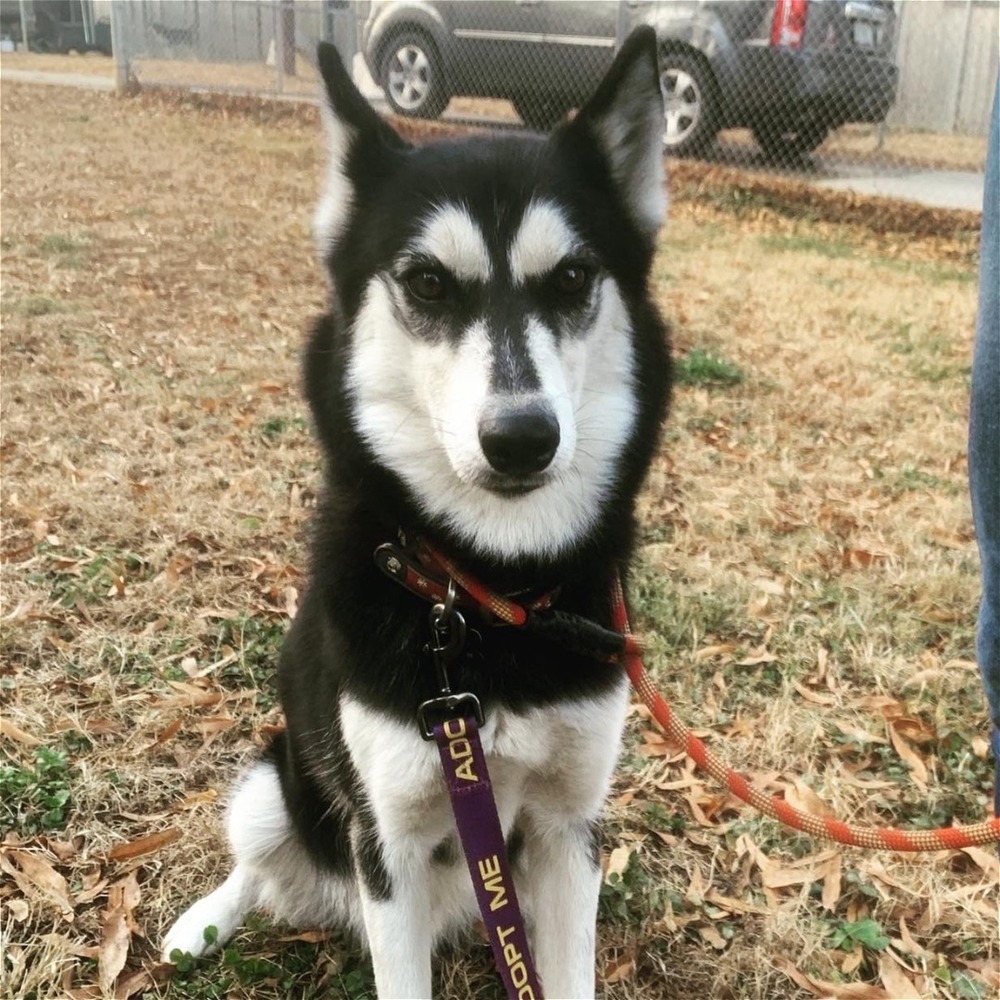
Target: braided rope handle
(891, 838)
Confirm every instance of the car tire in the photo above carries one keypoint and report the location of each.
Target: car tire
(786, 145)
(690, 104)
(540, 113)
(412, 78)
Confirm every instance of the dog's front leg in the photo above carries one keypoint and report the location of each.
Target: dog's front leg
(563, 868)
(395, 903)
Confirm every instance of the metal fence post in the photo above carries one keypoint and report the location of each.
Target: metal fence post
(288, 37)
(344, 32)
(621, 24)
(279, 46)
(23, 11)
(961, 66)
(119, 49)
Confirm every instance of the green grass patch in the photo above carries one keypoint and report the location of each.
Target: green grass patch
(806, 243)
(254, 645)
(81, 575)
(275, 427)
(36, 305)
(291, 972)
(934, 273)
(930, 356)
(632, 896)
(868, 933)
(36, 797)
(66, 251)
(703, 368)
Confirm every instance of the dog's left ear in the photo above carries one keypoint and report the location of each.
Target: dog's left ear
(625, 116)
(361, 146)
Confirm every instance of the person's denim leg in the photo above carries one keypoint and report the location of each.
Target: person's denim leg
(984, 440)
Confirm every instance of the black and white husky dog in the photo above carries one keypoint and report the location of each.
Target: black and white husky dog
(491, 375)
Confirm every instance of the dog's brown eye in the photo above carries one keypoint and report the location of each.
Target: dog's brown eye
(572, 279)
(427, 285)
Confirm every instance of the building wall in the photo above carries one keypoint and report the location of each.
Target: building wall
(947, 54)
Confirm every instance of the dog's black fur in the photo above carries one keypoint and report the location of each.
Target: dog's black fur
(361, 634)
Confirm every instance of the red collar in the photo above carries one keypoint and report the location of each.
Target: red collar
(425, 571)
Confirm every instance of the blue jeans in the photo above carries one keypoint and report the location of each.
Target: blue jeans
(984, 440)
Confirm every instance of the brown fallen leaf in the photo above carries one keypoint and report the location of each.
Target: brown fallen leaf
(733, 905)
(115, 940)
(832, 883)
(756, 657)
(90, 891)
(11, 732)
(211, 728)
(67, 946)
(618, 862)
(144, 845)
(918, 770)
(655, 745)
(37, 878)
(169, 733)
(133, 983)
(899, 985)
(195, 799)
(803, 798)
(986, 860)
(814, 696)
(909, 945)
(710, 652)
(852, 961)
(862, 558)
(619, 969)
(64, 850)
(838, 991)
(310, 937)
(710, 935)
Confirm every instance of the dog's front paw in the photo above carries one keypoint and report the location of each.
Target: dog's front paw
(199, 930)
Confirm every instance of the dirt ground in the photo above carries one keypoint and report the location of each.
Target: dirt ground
(807, 581)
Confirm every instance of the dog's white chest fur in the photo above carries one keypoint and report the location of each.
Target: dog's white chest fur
(546, 760)
(548, 766)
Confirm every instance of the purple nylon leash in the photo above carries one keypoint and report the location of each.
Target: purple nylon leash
(472, 802)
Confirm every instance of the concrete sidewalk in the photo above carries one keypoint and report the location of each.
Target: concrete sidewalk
(936, 188)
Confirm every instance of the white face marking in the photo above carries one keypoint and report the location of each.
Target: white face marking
(451, 237)
(338, 194)
(543, 239)
(418, 403)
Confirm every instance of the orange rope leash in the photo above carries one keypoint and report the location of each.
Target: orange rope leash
(889, 838)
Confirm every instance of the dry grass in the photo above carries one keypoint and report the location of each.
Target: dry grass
(90, 64)
(808, 578)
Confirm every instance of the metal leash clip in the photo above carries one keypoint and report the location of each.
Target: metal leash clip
(447, 645)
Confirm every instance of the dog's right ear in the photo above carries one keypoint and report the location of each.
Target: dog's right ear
(361, 146)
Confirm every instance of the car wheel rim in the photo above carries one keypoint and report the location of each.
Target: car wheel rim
(682, 105)
(409, 77)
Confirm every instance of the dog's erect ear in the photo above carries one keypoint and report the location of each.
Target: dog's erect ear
(362, 146)
(625, 116)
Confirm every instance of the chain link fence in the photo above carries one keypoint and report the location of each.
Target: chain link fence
(806, 84)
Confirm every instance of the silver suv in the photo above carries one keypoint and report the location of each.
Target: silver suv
(791, 70)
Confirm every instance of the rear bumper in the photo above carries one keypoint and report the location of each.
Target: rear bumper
(796, 86)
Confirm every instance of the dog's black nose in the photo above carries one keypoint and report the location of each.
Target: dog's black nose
(521, 441)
